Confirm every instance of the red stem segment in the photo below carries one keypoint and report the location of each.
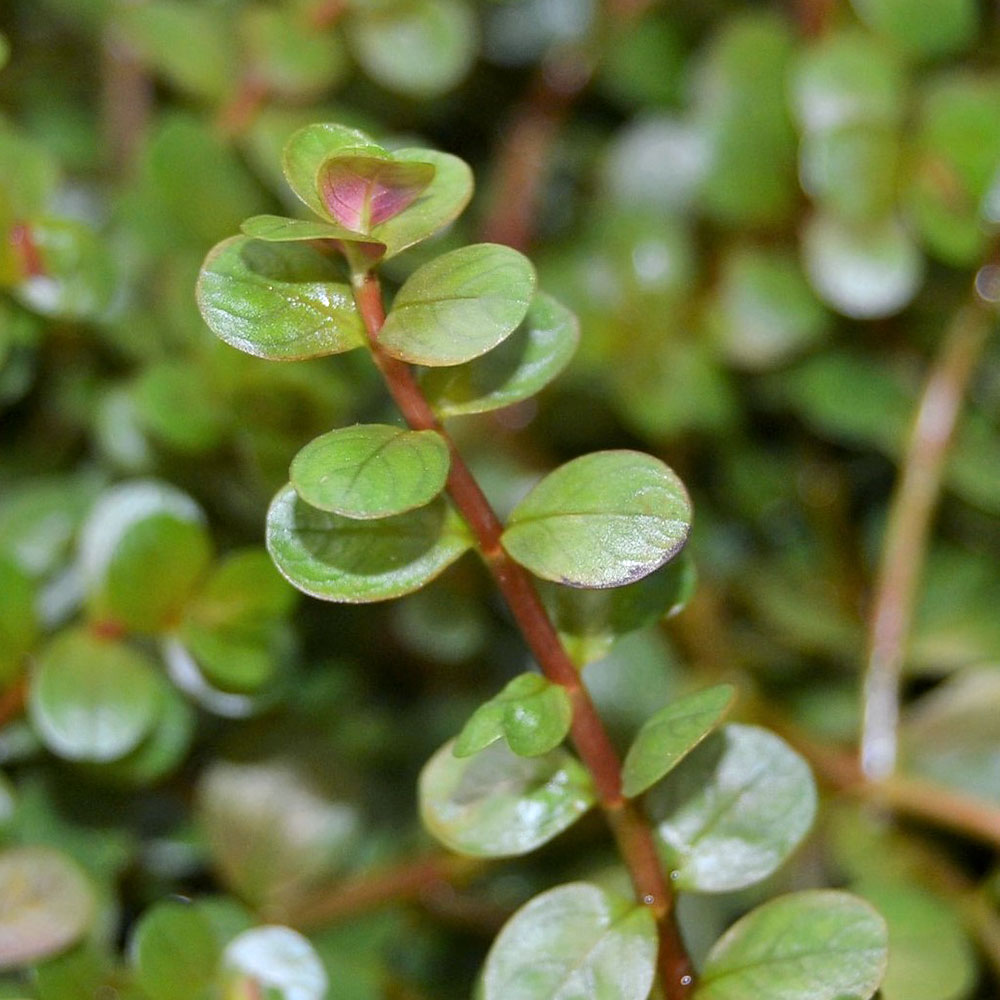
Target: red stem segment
(631, 831)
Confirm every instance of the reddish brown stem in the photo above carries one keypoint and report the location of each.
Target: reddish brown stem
(126, 102)
(630, 829)
(13, 700)
(238, 114)
(326, 13)
(26, 250)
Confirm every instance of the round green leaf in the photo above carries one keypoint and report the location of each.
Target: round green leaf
(671, 734)
(278, 959)
(573, 941)
(371, 470)
(177, 404)
(863, 272)
(929, 28)
(46, 904)
(602, 520)
(310, 147)
(283, 301)
(496, 804)
(93, 699)
(441, 202)
(930, 955)
(77, 279)
(589, 622)
(420, 48)
(522, 365)
(336, 558)
(459, 305)
(533, 715)
(816, 945)
(175, 952)
(734, 810)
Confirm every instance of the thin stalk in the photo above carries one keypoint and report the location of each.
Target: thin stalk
(631, 831)
(910, 513)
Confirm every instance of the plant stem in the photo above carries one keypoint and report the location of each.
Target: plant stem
(13, 700)
(630, 829)
(910, 513)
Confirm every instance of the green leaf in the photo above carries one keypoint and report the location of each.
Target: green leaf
(273, 831)
(930, 954)
(78, 974)
(77, 279)
(955, 164)
(283, 301)
(496, 804)
(734, 810)
(459, 305)
(816, 945)
(602, 520)
(276, 229)
(931, 28)
(864, 272)
(189, 44)
(143, 549)
(573, 941)
(175, 952)
(48, 904)
(342, 559)
(28, 174)
(310, 147)
(671, 734)
(441, 202)
(279, 960)
(287, 55)
(371, 470)
(360, 191)
(93, 699)
(521, 366)
(177, 404)
(18, 618)
(533, 715)
(420, 48)
(589, 622)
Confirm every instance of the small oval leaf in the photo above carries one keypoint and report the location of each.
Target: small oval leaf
(47, 904)
(276, 229)
(278, 959)
(310, 147)
(531, 712)
(522, 365)
(459, 305)
(815, 945)
(336, 558)
(496, 804)
(371, 470)
(284, 301)
(734, 810)
(573, 941)
(175, 952)
(671, 734)
(93, 699)
(602, 520)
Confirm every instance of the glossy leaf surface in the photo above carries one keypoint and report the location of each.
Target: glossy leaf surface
(371, 470)
(361, 191)
(279, 960)
(602, 520)
(576, 940)
(816, 945)
(496, 804)
(93, 699)
(671, 734)
(341, 559)
(734, 810)
(531, 713)
(459, 305)
(283, 301)
(47, 904)
(277, 229)
(522, 365)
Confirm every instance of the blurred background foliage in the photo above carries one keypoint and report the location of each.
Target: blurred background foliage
(769, 217)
